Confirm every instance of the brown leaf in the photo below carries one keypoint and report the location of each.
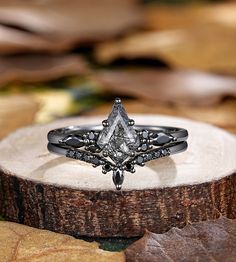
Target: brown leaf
(25, 244)
(208, 48)
(222, 114)
(203, 241)
(16, 111)
(177, 87)
(39, 68)
(55, 25)
(184, 16)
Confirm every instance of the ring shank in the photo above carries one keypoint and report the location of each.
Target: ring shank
(174, 148)
(56, 135)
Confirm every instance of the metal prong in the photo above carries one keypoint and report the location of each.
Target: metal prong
(105, 153)
(131, 122)
(105, 123)
(118, 187)
(117, 100)
(132, 153)
(61, 141)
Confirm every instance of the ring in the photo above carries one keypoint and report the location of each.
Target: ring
(118, 144)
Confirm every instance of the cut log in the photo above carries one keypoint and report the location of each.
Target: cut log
(44, 190)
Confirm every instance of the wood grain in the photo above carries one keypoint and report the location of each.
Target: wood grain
(46, 191)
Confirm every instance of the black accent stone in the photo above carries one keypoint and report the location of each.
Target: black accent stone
(96, 161)
(78, 155)
(164, 152)
(118, 178)
(86, 158)
(144, 147)
(140, 160)
(71, 154)
(145, 134)
(129, 166)
(157, 154)
(161, 139)
(74, 141)
(107, 167)
(91, 135)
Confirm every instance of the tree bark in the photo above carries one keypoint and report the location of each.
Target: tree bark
(43, 190)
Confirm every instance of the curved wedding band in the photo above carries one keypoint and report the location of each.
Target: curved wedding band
(118, 144)
(166, 133)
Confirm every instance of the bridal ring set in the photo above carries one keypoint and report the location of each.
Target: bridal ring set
(118, 145)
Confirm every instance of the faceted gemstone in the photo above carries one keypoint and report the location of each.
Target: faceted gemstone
(78, 155)
(145, 134)
(96, 161)
(119, 138)
(107, 167)
(140, 160)
(144, 147)
(162, 139)
(91, 135)
(164, 152)
(118, 178)
(71, 154)
(129, 166)
(74, 141)
(157, 154)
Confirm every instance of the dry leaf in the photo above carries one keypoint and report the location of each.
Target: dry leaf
(55, 25)
(203, 241)
(209, 48)
(39, 68)
(16, 111)
(222, 114)
(177, 87)
(184, 16)
(25, 244)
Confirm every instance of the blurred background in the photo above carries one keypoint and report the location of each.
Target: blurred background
(61, 58)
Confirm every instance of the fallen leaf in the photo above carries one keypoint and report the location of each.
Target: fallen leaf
(21, 243)
(160, 17)
(208, 48)
(176, 87)
(55, 25)
(203, 241)
(33, 68)
(16, 111)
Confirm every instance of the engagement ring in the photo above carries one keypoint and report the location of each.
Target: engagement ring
(118, 145)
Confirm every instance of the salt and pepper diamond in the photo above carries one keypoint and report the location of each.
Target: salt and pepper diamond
(118, 139)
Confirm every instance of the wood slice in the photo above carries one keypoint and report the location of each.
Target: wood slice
(64, 195)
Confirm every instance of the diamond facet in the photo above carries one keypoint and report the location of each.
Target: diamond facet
(119, 138)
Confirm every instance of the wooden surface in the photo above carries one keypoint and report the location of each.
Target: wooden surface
(48, 191)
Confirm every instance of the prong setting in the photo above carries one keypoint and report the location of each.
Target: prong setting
(131, 122)
(105, 123)
(117, 100)
(120, 145)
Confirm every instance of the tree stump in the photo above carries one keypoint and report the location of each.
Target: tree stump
(44, 190)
